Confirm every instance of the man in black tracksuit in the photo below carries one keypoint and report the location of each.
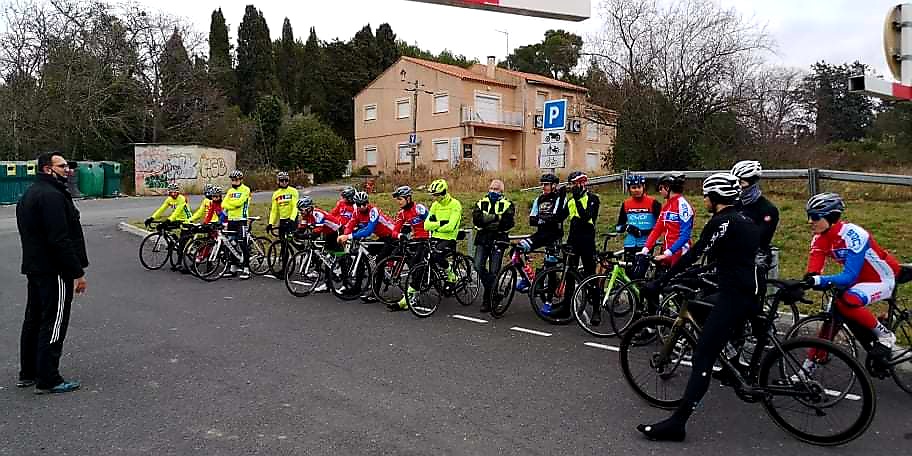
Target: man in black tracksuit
(53, 259)
(729, 242)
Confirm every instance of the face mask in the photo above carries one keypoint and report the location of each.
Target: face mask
(494, 196)
(62, 178)
(751, 194)
(578, 191)
(235, 185)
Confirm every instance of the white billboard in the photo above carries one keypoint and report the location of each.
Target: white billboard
(570, 10)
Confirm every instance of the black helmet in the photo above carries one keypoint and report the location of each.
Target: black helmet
(576, 176)
(305, 202)
(360, 198)
(828, 205)
(549, 178)
(348, 193)
(236, 174)
(673, 180)
(403, 192)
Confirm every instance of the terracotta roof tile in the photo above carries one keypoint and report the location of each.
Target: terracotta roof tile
(456, 71)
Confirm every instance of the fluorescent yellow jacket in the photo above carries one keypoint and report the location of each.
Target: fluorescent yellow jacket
(201, 211)
(180, 211)
(284, 205)
(237, 202)
(444, 218)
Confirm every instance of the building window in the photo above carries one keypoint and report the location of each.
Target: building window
(441, 103)
(441, 149)
(370, 112)
(403, 109)
(404, 150)
(593, 160)
(487, 108)
(540, 99)
(370, 155)
(592, 131)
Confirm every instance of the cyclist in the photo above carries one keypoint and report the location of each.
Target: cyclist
(368, 220)
(284, 208)
(868, 271)
(581, 210)
(203, 208)
(180, 212)
(637, 216)
(214, 212)
(345, 207)
(729, 242)
(236, 204)
(444, 219)
(322, 223)
(409, 220)
(545, 216)
(759, 209)
(675, 220)
(493, 217)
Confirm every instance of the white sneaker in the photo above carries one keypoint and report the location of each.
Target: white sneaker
(888, 340)
(321, 288)
(806, 373)
(245, 274)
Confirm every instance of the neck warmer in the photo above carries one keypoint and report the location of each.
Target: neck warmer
(751, 194)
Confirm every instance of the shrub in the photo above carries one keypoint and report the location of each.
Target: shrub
(307, 144)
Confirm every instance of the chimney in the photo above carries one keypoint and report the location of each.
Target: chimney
(492, 67)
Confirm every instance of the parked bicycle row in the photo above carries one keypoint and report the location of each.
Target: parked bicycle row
(691, 310)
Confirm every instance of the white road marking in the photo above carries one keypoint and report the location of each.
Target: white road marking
(602, 346)
(271, 276)
(472, 319)
(851, 397)
(530, 331)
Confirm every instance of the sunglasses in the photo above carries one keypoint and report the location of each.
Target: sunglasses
(815, 217)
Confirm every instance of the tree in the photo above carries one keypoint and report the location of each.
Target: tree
(287, 64)
(220, 69)
(177, 78)
(446, 56)
(555, 57)
(310, 78)
(255, 66)
(387, 46)
(268, 117)
(837, 114)
(308, 144)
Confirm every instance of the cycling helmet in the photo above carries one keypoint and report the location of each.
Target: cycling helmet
(747, 170)
(635, 179)
(549, 179)
(828, 205)
(721, 187)
(348, 193)
(173, 188)
(360, 198)
(438, 187)
(403, 192)
(208, 191)
(236, 174)
(577, 176)
(673, 180)
(282, 175)
(305, 202)
(216, 191)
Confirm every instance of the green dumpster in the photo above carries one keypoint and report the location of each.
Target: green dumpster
(111, 179)
(91, 179)
(9, 186)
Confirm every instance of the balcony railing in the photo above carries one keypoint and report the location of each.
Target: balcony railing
(505, 119)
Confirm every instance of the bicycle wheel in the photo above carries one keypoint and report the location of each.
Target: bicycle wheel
(468, 283)
(658, 378)
(389, 280)
(804, 406)
(594, 302)
(902, 372)
(504, 289)
(274, 257)
(821, 326)
(208, 268)
(303, 273)
(625, 306)
(549, 296)
(347, 285)
(259, 262)
(424, 277)
(154, 251)
(174, 254)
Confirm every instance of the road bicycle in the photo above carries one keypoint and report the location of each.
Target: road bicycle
(356, 269)
(832, 405)
(389, 278)
(518, 271)
(602, 300)
(314, 264)
(160, 246)
(281, 249)
(829, 324)
(212, 255)
(454, 277)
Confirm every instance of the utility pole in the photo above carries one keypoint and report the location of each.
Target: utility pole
(415, 88)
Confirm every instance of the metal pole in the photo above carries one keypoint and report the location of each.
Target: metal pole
(813, 181)
(906, 43)
(415, 127)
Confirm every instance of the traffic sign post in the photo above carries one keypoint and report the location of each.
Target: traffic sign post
(551, 153)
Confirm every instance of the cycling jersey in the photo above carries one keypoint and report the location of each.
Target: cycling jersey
(545, 215)
(582, 212)
(215, 213)
(284, 205)
(413, 214)
(179, 210)
(237, 202)
(201, 211)
(641, 213)
(343, 210)
(676, 223)
(372, 221)
(322, 222)
(862, 258)
(765, 215)
(444, 218)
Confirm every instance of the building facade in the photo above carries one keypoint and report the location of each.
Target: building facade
(487, 115)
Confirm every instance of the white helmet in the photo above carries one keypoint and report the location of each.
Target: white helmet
(747, 169)
(723, 185)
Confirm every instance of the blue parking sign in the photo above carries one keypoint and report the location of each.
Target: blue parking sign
(555, 115)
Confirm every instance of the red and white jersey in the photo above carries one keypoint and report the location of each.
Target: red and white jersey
(414, 216)
(323, 222)
(368, 222)
(675, 222)
(344, 211)
(850, 245)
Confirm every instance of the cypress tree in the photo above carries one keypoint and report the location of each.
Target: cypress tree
(220, 71)
(255, 66)
(287, 64)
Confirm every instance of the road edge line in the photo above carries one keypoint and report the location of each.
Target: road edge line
(127, 228)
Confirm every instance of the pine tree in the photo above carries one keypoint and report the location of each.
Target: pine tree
(255, 66)
(176, 81)
(287, 64)
(387, 46)
(220, 71)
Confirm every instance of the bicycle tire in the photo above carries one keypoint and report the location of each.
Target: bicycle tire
(173, 255)
(259, 262)
(810, 327)
(274, 258)
(217, 267)
(540, 291)
(390, 278)
(303, 273)
(902, 372)
(154, 242)
(621, 315)
(610, 302)
(504, 289)
(189, 254)
(428, 290)
(770, 373)
(468, 283)
(651, 334)
(347, 278)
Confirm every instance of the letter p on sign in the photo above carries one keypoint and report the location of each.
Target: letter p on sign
(555, 115)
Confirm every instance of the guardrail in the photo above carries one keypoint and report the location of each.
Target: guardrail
(812, 175)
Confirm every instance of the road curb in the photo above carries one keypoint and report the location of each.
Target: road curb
(127, 228)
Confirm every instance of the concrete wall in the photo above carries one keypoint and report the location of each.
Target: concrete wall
(191, 167)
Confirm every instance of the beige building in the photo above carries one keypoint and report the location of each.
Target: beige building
(487, 115)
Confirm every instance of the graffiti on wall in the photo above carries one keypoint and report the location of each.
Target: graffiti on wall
(191, 167)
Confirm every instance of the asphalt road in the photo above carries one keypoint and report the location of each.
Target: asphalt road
(174, 366)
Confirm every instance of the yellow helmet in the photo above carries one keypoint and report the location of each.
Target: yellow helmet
(438, 187)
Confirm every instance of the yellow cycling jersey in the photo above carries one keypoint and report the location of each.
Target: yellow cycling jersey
(201, 211)
(284, 205)
(180, 212)
(236, 203)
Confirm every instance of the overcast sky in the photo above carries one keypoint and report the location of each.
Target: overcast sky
(806, 30)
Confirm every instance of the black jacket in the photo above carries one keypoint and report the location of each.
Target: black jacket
(766, 216)
(582, 228)
(52, 239)
(488, 224)
(729, 241)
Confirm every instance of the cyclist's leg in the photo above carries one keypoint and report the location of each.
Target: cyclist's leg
(182, 240)
(482, 257)
(852, 305)
(285, 227)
